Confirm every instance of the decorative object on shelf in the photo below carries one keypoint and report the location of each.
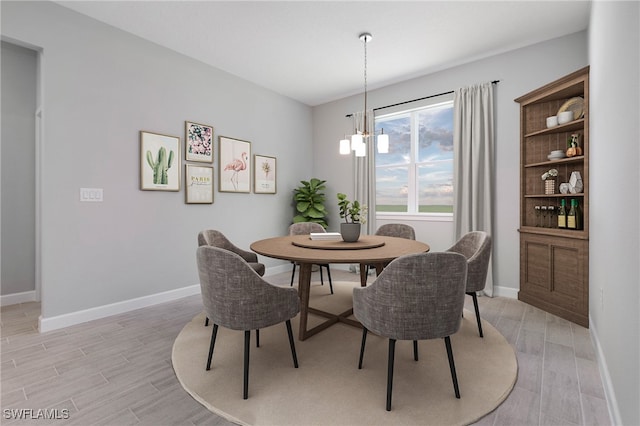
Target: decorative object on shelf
(575, 106)
(537, 211)
(363, 136)
(199, 142)
(556, 155)
(565, 117)
(309, 201)
(354, 215)
(265, 174)
(552, 121)
(564, 188)
(234, 167)
(549, 179)
(575, 183)
(573, 145)
(198, 182)
(159, 162)
(553, 220)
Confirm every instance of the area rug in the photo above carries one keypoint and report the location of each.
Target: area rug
(328, 388)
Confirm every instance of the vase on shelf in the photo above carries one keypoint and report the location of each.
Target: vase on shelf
(549, 186)
(350, 232)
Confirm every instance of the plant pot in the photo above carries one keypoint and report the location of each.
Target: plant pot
(350, 232)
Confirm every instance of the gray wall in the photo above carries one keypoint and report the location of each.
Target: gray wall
(19, 77)
(101, 86)
(614, 302)
(519, 72)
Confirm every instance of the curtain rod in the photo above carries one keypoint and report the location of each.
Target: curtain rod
(419, 99)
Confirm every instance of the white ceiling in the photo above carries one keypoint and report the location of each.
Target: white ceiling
(310, 50)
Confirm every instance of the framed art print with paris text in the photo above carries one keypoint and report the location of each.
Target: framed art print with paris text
(198, 184)
(198, 142)
(234, 166)
(159, 162)
(265, 174)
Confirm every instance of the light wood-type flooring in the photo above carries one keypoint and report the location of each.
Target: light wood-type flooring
(117, 370)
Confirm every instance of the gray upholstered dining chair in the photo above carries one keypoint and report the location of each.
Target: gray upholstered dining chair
(476, 247)
(399, 230)
(416, 297)
(211, 237)
(306, 228)
(236, 297)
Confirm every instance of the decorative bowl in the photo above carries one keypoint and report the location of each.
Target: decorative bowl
(552, 121)
(565, 117)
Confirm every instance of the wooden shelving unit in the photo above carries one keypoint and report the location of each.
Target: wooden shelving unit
(554, 263)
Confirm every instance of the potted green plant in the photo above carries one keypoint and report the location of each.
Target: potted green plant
(309, 202)
(354, 216)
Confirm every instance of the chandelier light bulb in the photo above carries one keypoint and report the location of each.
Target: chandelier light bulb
(383, 144)
(345, 147)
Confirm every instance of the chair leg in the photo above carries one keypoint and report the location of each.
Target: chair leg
(321, 279)
(292, 344)
(474, 296)
(257, 338)
(245, 389)
(293, 273)
(214, 332)
(329, 275)
(364, 340)
(452, 366)
(392, 350)
(206, 322)
(415, 350)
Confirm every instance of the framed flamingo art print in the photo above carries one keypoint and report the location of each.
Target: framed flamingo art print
(264, 170)
(234, 165)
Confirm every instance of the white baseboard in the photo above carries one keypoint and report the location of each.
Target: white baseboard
(73, 318)
(15, 298)
(609, 393)
(509, 292)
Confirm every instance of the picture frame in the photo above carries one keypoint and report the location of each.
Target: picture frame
(265, 173)
(198, 182)
(159, 162)
(198, 142)
(234, 165)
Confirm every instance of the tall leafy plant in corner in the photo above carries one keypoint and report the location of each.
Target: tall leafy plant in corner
(309, 200)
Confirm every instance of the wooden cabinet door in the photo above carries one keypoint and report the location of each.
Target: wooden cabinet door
(553, 275)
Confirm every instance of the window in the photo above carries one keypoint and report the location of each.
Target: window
(416, 176)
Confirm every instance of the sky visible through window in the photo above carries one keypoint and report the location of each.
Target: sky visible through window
(416, 176)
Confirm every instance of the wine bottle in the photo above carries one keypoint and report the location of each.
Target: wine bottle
(574, 218)
(562, 215)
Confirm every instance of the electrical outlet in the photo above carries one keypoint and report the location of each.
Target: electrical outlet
(601, 299)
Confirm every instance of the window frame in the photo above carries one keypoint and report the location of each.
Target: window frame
(413, 193)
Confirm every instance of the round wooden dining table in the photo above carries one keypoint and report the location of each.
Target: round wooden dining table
(368, 250)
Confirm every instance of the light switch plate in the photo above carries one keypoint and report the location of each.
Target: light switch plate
(91, 194)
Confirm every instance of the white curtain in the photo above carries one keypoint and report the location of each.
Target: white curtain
(473, 140)
(365, 171)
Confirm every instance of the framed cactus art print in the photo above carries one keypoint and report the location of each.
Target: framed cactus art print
(159, 162)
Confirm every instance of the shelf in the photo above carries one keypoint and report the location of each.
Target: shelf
(555, 232)
(568, 160)
(554, 195)
(554, 262)
(561, 128)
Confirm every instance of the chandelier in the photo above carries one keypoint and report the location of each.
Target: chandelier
(359, 139)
